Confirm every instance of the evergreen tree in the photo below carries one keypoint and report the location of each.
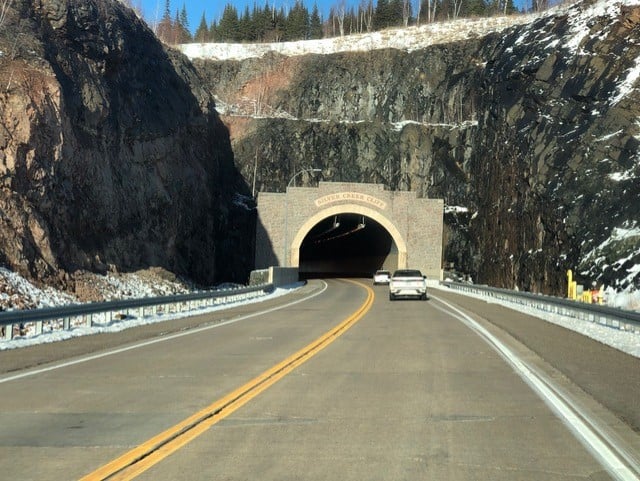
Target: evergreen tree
(269, 24)
(176, 30)
(278, 21)
(395, 13)
(474, 8)
(261, 19)
(229, 28)
(180, 34)
(382, 15)
(165, 27)
(445, 10)
(184, 19)
(184, 34)
(202, 33)
(315, 23)
(246, 30)
(297, 24)
(213, 32)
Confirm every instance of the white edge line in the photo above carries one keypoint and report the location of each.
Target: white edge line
(159, 339)
(568, 413)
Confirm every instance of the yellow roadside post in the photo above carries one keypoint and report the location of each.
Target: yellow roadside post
(571, 290)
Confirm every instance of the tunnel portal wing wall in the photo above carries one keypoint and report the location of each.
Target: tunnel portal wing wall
(415, 224)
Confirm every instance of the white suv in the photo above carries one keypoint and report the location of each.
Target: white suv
(381, 277)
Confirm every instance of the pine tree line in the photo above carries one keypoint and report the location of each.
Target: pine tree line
(174, 29)
(271, 24)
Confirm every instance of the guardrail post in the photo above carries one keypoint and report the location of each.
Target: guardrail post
(7, 332)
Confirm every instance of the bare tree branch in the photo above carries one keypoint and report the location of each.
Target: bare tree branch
(341, 10)
(406, 12)
(4, 8)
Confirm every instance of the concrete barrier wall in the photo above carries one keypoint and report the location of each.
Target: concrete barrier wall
(278, 276)
(282, 276)
(259, 277)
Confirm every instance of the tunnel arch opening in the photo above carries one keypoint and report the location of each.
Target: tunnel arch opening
(347, 241)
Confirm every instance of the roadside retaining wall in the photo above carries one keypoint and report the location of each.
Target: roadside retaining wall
(278, 276)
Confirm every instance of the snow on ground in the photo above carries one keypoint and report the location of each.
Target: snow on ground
(127, 323)
(581, 21)
(455, 209)
(408, 39)
(628, 84)
(414, 38)
(624, 341)
(140, 285)
(626, 274)
(629, 300)
(18, 293)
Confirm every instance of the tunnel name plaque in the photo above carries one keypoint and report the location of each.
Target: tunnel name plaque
(350, 196)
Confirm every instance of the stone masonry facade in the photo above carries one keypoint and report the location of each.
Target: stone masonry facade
(415, 224)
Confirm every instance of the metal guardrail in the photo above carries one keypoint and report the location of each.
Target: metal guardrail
(604, 315)
(84, 314)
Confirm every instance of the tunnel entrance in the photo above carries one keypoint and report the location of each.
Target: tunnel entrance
(346, 245)
(295, 229)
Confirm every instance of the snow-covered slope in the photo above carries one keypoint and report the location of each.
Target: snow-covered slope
(410, 38)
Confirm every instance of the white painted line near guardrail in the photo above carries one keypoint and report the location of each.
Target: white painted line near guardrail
(618, 463)
(160, 339)
(623, 339)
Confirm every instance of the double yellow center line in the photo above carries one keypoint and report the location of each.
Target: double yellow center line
(151, 452)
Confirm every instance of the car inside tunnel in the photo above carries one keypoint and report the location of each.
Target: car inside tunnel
(346, 245)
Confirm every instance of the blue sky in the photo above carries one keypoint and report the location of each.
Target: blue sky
(153, 9)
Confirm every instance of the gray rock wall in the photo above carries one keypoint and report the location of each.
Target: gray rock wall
(532, 133)
(113, 155)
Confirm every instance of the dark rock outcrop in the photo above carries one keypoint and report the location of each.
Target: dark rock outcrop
(111, 151)
(531, 136)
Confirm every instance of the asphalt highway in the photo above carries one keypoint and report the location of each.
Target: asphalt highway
(331, 382)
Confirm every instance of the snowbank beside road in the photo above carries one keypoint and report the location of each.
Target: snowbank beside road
(624, 341)
(59, 335)
(143, 285)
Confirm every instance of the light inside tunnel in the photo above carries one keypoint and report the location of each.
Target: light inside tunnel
(346, 245)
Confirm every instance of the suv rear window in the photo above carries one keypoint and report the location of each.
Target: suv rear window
(407, 273)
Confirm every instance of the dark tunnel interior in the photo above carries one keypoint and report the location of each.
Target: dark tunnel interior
(346, 245)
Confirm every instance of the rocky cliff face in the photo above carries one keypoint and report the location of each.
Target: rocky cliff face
(531, 136)
(112, 155)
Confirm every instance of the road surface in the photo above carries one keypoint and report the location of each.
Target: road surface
(332, 382)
